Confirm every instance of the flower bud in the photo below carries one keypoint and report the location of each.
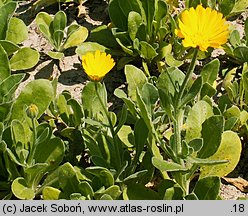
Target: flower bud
(161, 66)
(32, 111)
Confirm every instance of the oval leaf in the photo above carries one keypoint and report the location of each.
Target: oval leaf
(21, 190)
(17, 31)
(76, 38)
(24, 58)
(38, 92)
(4, 64)
(197, 115)
(230, 150)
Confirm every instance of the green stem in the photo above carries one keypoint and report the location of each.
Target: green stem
(177, 134)
(187, 77)
(177, 123)
(116, 144)
(178, 112)
(33, 147)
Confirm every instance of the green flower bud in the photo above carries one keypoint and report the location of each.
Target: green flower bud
(32, 111)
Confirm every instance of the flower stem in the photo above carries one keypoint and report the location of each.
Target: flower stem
(177, 123)
(178, 112)
(33, 147)
(116, 144)
(187, 77)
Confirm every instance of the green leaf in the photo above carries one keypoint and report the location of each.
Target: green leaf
(21, 190)
(171, 61)
(85, 189)
(135, 80)
(246, 31)
(125, 134)
(129, 103)
(139, 192)
(117, 16)
(63, 109)
(210, 71)
(68, 180)
(147, 51)
(50, 193)
(50, 152)
(191, 196)
(163, 165)
(55, 55)
(24, 58)
(169, 190)
(193, 91)
(207, 90)
(136, 175)
(134, 22)
(197, 115)
(13, 157)
(9, 47)
(44, 133)
(196, 144)
(76, 38)
(43, 21)
(150, 96)
(57, 38)
(119, 10)
(235, 39)
(89, 47)
(104, 175)
(59, 21)
(38, 92)
(241, 53)
(171, 80)
(166, 101)
(149, 8)
(106, 197)
(233, 111)
(144, 113)
(230, 150)
(243, 117)
(92, 106)
(113, 191)
(8, 87)
(122, 118)
(103, 35)
(140, 137)
(162, 10)
(4, 110)
(4, 64)
(6, 12)
(17, 31)
(240, 6)
(72, 28)
(18, 134)
(124, 41)
(201, 161)
(212, 130)
(77, 111)
(207, 188)
(35, 173)
(99, 161)
(226, 6)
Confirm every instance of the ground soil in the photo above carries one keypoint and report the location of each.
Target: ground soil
(69, 70)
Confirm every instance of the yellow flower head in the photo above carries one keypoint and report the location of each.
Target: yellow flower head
(97, 64)
(202, 28)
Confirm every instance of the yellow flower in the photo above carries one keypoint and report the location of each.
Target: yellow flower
(97, 64)
(202, 28)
